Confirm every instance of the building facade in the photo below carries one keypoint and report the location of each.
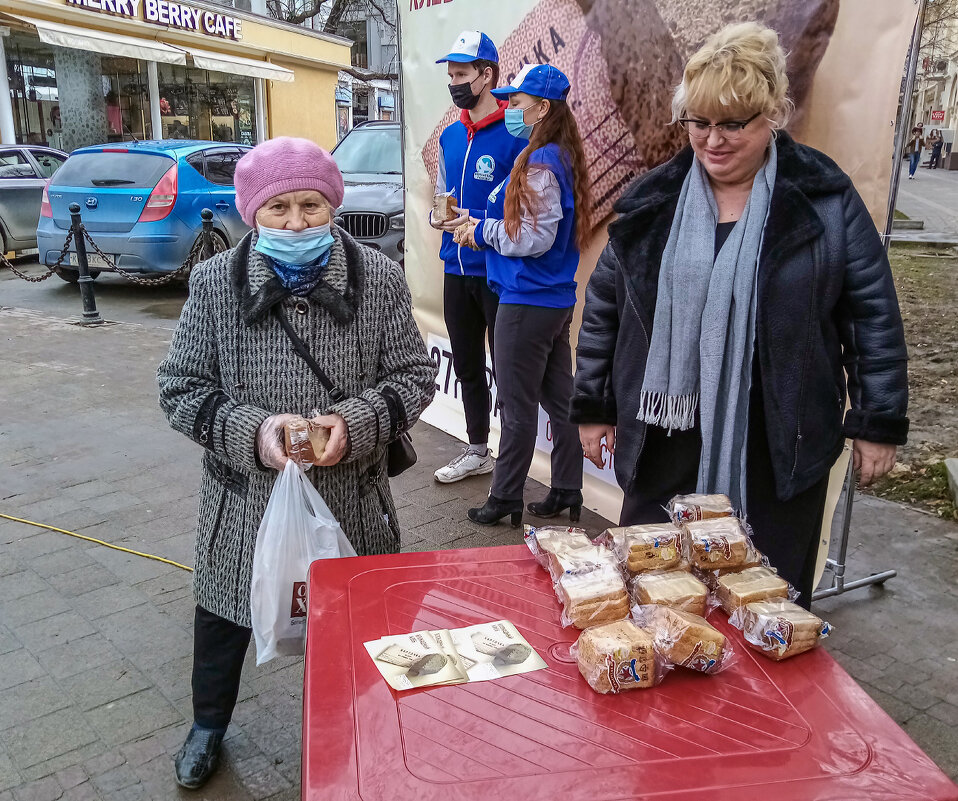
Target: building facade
(84, 72)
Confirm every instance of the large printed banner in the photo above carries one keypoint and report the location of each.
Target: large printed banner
(624, 58)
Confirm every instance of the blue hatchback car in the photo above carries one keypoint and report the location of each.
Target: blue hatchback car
(141, 203)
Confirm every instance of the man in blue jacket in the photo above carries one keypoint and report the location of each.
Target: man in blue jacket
(475, 156)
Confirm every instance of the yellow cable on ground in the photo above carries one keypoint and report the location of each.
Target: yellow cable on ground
(98, 542)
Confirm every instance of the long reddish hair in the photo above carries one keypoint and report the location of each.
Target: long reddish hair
(558, 127)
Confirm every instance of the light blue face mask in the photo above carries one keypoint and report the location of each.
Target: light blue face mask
(294, 247)
(516, 123)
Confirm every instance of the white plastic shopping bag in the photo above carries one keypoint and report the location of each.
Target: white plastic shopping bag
(297, 529)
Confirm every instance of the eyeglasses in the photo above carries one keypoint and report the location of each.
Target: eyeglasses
(730, 130)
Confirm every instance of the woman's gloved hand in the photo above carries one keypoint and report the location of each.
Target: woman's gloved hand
(338, 445)
(270, 445)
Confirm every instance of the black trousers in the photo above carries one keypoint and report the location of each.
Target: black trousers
(533, 366)
(469, 308)
(787, 532)
(219, 648)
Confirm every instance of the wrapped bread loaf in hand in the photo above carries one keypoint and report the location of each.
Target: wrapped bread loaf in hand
(655, 546)
(689, 508)
(442, 207)
(685, 639)
(734, 590)
(718, 544)
(592, 598)
(674, 588)
(305, 442)
(779, 629)
(619, 656)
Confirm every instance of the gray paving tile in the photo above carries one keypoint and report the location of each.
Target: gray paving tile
(44, 738)
(54, 632)
(32, 699)
(17, 667)
(132, 716)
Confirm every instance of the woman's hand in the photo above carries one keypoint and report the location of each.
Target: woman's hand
(338, 443)
(591, 436)
(872, 460)
(462, 215)
(270, 444)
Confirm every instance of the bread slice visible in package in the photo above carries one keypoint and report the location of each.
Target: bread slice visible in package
(442, 205)
(685, 639)
(618, 656)
(734, 590)
(674, 588)
(779, 629)
(689, 508)
(546, 540)
(592, 598)
(655, 546)
(305, 441)
(580, 560)
(718, 544)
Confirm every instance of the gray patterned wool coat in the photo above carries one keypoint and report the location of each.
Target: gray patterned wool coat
(231, 366)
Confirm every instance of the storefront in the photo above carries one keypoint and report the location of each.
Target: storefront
(84, 72)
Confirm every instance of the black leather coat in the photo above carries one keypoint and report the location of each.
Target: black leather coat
(826, 309)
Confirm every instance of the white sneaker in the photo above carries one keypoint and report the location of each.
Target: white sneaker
(464, 465)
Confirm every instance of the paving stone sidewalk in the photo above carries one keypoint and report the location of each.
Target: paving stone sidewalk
(95, 644)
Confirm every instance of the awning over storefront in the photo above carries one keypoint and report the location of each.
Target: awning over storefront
(220, 62)
(111, 44)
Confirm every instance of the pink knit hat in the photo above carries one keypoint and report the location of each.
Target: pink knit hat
(284, 164)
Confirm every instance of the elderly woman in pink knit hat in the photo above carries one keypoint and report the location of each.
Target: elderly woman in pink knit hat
(295, 298)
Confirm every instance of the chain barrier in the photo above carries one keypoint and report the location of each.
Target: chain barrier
(36, 279)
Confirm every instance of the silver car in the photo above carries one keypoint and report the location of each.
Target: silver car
(370, 159)
(24, 171)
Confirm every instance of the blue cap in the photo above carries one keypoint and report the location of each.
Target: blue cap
(538, 80)
(471, 46)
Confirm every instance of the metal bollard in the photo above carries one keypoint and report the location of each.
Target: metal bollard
(206, 252)
(90, 314)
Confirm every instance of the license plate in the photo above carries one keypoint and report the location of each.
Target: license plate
(93, 260)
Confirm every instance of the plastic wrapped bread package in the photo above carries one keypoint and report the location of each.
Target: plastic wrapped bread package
(580, 560)
(592, 598)
(779, 629)
(654, 546)
(442, 207)
(689, 508)
(305, 441)
(619, 656)
(719, 544)
(684, 639)
(546, 540)
(674, 588)
(735, 590)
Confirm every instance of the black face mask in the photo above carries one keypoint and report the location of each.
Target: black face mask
(462, 94)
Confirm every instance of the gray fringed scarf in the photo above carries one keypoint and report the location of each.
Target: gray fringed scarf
(703, 336)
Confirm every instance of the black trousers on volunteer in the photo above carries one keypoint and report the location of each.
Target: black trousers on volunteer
(219, 649)
(534, 366)
(787, 532)
(469, 309)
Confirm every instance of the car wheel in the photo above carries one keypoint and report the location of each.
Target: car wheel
(72, 276)
(219, 245)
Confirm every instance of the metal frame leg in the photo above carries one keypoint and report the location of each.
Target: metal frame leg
(837, 566)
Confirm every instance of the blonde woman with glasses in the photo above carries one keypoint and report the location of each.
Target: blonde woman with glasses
(743, 296)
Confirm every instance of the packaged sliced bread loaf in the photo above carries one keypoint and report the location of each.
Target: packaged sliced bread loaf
(674, 588)
(718, 544)
(685, 639)
(580, 560)
(618, 656)
(546, 540)
(779, 629)
(592, 598)
(689, 508)
(654, 546)
(734, 590)
(305, 441)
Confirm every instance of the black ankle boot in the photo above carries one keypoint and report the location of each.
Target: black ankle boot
(494, 510)
(199, 757)
(556, 502)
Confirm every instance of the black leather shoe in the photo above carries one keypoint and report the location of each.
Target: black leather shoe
(199, 757)
(494, 510)
(556, 502)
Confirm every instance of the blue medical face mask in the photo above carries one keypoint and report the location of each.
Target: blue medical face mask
(295, 247)
(516, 123)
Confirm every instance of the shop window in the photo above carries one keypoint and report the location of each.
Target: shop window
(199, 104)
(221, 166)
(360, 106)
(13, 164)
(33, 90)
(127, 99)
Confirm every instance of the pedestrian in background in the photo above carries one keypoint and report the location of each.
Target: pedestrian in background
(232, 380)
(936, 143)
(743, 291)
(475, 154)
(913, 148)
(536, 221)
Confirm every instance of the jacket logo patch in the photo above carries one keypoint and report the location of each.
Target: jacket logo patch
(485, 167)
(495, 192)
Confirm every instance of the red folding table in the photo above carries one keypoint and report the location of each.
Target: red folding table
(801, 729)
